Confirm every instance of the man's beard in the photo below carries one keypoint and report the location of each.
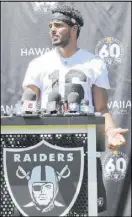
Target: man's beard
(61, 43)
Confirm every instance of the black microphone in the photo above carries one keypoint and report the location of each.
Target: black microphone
(73, 102)
(74, 88)
(54, 103)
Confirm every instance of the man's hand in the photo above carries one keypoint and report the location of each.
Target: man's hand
(115, 135)
(116, 138)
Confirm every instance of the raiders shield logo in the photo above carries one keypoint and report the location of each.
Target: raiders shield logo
(44, 180)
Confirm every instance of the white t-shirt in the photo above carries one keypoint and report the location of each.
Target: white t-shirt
(51, 72)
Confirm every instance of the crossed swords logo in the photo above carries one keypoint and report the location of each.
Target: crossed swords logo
(22, 174)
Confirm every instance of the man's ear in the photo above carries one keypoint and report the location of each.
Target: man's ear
(75, 27)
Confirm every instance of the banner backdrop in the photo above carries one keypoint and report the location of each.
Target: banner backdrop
(106, 33)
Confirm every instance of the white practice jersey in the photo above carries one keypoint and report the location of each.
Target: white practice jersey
(51, 72)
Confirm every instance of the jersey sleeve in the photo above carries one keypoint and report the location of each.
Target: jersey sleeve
(101, 78)
(32, 76)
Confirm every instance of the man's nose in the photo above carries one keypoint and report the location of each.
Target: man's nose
(53, 30)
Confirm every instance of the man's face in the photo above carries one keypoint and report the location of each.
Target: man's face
(60, 33)
(43, 192)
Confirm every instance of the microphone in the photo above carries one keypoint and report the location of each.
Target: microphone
(73, 102)
(64, 105)
(74, 88)
(84, 106)
(28, 94)
(54, 101)
(29, 103)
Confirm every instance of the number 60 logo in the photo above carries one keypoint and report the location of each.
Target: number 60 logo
(115, 166)
(110, 50)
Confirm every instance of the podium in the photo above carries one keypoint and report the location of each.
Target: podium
(74, 131)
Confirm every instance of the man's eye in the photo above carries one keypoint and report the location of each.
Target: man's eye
(58, 25)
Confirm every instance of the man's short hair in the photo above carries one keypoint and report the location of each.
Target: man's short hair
(70, 12)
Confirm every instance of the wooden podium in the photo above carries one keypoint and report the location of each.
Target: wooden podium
(92, 126)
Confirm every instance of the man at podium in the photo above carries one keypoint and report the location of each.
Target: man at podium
(69, 68)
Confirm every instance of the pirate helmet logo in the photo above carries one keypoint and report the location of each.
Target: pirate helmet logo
(37, 176)
(43, 186)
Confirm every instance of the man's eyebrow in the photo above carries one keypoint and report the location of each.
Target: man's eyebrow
(60, 22)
